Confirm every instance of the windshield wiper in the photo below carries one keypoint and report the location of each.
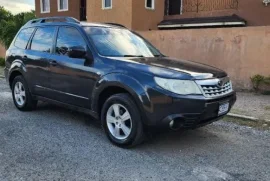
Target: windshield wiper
(133, 56)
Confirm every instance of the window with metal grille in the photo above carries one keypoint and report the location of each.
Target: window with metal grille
(173, 7)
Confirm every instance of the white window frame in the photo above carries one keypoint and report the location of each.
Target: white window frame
(152, 7)
(41, 7)
(103, 5)
(58, 5)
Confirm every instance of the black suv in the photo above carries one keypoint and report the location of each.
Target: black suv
(115, 75)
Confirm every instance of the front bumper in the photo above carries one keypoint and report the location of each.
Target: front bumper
(208, 114)
(185, 111)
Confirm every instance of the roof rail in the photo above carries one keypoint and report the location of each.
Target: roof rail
(53, 19)
(116, 24)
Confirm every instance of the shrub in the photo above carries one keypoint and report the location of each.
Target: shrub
(256, 81)
(267, 80)
(2, 61)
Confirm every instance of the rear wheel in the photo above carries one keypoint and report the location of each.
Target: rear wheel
(121, 121)
(22, 97)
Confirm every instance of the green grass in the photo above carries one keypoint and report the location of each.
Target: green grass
(267, 108)
(265, 92)
(2, 62)
(262, 125)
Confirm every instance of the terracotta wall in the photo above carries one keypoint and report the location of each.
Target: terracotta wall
(121, 12)
(145, 19)
(241, 52)
(254, 11)
(73, 9)
(2, 51)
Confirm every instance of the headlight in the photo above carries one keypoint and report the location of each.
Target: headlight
(183, 87)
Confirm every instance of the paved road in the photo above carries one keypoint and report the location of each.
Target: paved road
(52, 143)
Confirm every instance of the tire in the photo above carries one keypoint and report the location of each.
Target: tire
(22, 97)
(112, 122)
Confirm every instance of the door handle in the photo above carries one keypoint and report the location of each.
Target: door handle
(53, 63)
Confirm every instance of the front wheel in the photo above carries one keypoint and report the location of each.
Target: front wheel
(22, 97)
(121, 121)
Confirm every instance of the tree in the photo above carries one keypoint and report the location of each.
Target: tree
(11, 24)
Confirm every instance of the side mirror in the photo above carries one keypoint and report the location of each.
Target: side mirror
(77, 52)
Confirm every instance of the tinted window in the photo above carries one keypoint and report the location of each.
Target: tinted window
(67, 38)
(43, 39)
(23, 38)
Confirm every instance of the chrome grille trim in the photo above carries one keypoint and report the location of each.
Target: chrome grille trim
(215, 87)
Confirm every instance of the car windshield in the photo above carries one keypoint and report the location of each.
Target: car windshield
(119, 42)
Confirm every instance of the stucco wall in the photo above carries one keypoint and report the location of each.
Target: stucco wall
(145, 19)
(121, 12)
(2, 51)
(73, 9)
(253, 11)
(131, 13)
(241, 52)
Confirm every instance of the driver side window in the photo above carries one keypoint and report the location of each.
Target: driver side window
(67, 38)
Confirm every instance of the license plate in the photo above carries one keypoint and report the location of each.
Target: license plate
(223, 108)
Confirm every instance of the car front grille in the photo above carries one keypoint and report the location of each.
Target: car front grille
(215, 87)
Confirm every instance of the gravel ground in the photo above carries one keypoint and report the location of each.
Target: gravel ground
(53, 143)
(252, 104)
(1, 71)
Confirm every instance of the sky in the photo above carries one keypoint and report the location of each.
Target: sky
(17, 6)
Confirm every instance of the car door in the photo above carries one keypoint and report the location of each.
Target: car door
(19, 51)
(71, 79)
(38, 56)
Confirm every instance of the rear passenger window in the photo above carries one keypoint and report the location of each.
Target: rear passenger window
(67, 38)
(43, 39)
(23, 38)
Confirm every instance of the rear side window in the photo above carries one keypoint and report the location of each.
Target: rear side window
(43, 39)
(23, 38)
(67, 38)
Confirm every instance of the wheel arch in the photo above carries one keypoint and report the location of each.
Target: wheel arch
(118, 83)
(17, 68)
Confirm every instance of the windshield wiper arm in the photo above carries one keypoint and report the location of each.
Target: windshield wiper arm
(133, 56)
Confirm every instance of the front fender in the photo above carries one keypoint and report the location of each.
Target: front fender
(126, 82)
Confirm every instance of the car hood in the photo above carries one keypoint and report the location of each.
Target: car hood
(193, 69)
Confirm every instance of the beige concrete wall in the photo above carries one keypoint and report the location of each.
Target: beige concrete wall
(121, 12)
(2, 51)
(145, 19)
(241, 52)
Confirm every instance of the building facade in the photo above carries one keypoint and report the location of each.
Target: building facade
(148, 14)
(73, 8)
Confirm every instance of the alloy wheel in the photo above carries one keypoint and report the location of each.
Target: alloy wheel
(119, 122)
(19, 94)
